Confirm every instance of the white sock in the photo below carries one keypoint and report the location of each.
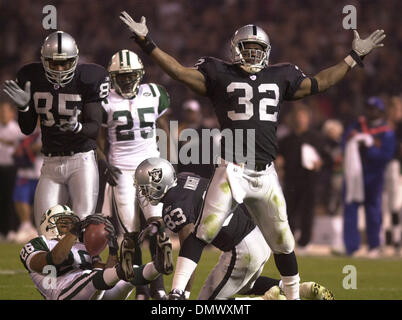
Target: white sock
(150, 272)
(110, 276)
(291, 287)
(120, 291)
(184, 269)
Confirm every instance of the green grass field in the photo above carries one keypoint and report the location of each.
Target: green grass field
(376, 279)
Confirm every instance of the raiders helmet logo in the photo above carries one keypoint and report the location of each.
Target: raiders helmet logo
(156, 175)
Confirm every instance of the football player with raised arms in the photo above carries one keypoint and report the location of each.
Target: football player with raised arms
(244, 250)
(246, 94)
(62, 269)
(130, 116)
(67, 97)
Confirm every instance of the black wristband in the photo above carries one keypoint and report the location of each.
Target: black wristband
(49, 259)
(314, 86)
(357, 58)
(146, 45)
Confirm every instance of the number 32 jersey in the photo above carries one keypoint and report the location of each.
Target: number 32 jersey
(245, 101)
(55, 105)
(131, 125)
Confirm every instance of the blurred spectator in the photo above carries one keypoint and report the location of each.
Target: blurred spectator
(28, 161)
(331, 172)
(369, 146)
(302, 154)
(393, 178)
(10, 134)
(330, 197)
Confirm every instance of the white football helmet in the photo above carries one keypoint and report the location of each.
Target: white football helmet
(48, 221)
(59, 55)
(251, 60)
(153, 178)
(126, 71)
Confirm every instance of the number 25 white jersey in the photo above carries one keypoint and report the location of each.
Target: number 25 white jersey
(131, 125)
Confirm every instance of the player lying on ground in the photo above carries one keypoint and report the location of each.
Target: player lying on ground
(246, 95)
(131, 113)
(244, 250)
(78, 275)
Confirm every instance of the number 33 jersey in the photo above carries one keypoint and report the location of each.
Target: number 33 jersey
(183, 203)
(244, 101)
(131, 125)
(55, 105)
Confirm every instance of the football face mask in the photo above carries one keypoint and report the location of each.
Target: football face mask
(250, 48)
(126, 84)
(126, 72)
(59, 57)
(57, 221)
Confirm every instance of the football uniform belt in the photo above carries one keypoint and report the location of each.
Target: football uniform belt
(64, 153)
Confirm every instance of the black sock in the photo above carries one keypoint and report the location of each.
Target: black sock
(98, 281)
(262, 285)
(286, 264)
(192, 248)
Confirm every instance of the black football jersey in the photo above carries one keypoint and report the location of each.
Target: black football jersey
(183, 205)
(55, 104)
(245, 101)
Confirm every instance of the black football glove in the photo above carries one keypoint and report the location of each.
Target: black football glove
(111, 173)
(98, 218)
(77, 227)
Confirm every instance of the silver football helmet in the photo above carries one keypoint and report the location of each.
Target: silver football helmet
(153, 178)
(126, 71)
(251, 60)
(59, 57)
(48, 226)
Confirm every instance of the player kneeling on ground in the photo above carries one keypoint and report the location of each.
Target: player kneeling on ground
(62, 269)
(244, 250)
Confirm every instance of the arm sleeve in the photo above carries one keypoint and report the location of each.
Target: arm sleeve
(207, 67)
(164, 100)
(31, 249)
(92, 119)
(97, 83)
(294, 76)
(26, 120)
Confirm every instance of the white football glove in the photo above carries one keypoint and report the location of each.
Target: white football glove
(139, 29)
(364, 46)
(73, 124)
(20, 97)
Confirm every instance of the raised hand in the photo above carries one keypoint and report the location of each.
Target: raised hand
(20, 97)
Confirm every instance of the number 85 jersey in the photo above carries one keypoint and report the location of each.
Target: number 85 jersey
(244, 101)
(55, 104)
(131, 125)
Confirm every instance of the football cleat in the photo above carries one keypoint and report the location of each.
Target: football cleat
(274, 293)
(176, 294)
(163, 257)
(315, 291)
(127, 258)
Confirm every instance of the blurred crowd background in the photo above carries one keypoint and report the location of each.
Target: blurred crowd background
(306, 33)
